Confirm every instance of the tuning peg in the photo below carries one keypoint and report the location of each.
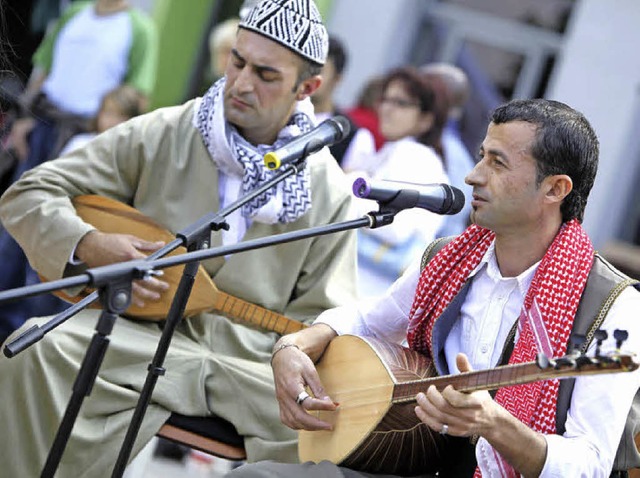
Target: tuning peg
(582, 360)
(568, 361)
(544, 362)
(575, 343)
(601, 336)
(620, 336)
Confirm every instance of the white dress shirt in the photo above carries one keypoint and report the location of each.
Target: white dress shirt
(599, 404)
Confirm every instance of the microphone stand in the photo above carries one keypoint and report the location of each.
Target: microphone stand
(115, 280)
(196, 237)
(115, 294)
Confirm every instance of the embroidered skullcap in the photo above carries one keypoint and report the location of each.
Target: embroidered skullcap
(295, 24)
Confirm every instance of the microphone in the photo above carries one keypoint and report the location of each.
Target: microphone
(437, 198)
(327, 133)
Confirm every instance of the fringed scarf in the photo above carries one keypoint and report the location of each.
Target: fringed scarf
(544, 325)
(237, 157)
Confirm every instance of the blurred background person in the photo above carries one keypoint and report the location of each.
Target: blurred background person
(10, 89)
(365, 112)
(117, 106)
(457, 158)
(91, 49)
(221, 41)
(359, 141)
(412, 114)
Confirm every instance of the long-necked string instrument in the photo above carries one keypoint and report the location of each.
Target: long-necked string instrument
(109, 215)
(375, 428)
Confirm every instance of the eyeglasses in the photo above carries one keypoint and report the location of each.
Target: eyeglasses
(399, 102)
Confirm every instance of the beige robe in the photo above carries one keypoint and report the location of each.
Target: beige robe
(159, 164)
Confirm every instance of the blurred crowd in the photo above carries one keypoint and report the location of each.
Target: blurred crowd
(95, 67)
(80, 120)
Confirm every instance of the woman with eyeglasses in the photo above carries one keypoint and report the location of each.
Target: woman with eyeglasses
(412, 114)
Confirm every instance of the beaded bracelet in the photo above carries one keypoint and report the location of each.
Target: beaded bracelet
(281, 347)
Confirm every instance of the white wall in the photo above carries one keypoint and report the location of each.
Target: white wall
(376, 35)
(599, 74)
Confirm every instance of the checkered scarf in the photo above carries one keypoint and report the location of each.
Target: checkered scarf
(237, 157)
(553, 296)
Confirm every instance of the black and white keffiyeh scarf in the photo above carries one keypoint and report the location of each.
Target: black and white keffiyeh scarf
(237, 157)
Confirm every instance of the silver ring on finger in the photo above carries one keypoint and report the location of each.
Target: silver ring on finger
(302, 396)
(445, 429)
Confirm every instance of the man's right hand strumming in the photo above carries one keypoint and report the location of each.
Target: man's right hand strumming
(98, 249)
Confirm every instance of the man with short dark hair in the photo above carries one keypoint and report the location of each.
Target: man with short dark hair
(176, 165)
(519, 281)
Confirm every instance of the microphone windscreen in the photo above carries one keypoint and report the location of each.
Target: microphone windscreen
(344, 125)
(361, 188)
(458, 201)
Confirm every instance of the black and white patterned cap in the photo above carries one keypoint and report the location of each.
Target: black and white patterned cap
(296, 24)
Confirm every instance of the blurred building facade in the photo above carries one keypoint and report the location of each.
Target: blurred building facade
(581, 52)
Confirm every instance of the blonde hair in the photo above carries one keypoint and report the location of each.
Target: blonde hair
(221, 35)
(224, 32)
(129, 100)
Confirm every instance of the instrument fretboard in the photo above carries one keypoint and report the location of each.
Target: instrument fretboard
(240, 310)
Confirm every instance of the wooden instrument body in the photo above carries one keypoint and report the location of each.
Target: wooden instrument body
(111, 216)
(375, 428)
(372, 432)
(108, 215)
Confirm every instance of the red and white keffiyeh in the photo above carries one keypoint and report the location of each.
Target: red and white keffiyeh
(555, 292)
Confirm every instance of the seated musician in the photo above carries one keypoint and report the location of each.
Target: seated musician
(175, 165)
(510, 286)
